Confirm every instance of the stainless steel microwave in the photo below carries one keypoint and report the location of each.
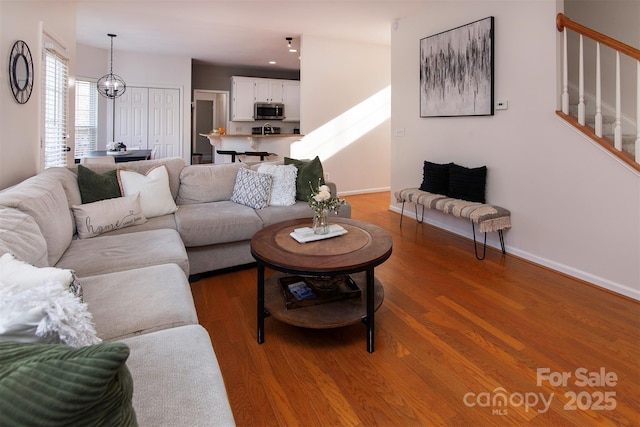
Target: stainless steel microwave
(268, 111)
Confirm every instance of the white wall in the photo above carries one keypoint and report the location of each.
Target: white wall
(335, 77)
(143, 70)
(20, 123)
(574, 208)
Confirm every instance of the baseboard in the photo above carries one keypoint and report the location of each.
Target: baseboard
(366, 191)
(561, 268)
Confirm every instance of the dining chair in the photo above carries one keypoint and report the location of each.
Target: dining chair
(98, 159)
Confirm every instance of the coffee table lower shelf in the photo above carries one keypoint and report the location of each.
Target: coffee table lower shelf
(329, 315)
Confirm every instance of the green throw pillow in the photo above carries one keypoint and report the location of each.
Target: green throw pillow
(310, 173)
(55, 385)
(97, 186)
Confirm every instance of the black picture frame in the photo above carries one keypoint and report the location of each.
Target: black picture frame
(457, 71)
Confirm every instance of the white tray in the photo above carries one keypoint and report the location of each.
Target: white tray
(306, 234)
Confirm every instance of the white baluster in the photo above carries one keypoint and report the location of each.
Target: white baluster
(565, 76)
(598, 94)
(617, 127)
(581, 118)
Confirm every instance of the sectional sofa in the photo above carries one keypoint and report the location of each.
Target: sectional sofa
(134, 279)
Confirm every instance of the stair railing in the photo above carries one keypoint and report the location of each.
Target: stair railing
(563, 22)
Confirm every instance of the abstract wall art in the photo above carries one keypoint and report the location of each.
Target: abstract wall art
(456, 71)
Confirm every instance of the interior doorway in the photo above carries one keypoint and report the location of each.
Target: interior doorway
(210, 111)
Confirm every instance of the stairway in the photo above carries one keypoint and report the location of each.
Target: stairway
(608, 121)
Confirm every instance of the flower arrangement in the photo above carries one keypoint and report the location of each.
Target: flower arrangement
(116, 146)
(322, 203)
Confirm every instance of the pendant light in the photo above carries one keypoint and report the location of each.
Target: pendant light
(111, 85)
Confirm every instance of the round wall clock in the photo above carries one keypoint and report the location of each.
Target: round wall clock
(21, 72)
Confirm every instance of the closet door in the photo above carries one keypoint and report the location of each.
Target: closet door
(164, 122)
(131, 112)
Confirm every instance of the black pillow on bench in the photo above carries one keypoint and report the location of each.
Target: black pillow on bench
(467, 184)
(435, 178)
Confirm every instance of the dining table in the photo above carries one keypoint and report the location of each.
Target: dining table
(122, 156)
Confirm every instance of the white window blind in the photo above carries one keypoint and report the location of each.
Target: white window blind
(86, 118)
(54, 104)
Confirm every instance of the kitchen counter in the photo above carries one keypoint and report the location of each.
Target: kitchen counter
(279, 145)
(248, 135)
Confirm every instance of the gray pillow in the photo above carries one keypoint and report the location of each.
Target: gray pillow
(252, 189)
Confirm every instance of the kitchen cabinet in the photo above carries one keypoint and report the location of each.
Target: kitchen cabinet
(268, 90)
(242, 99)
(246, 91)
(291, 99)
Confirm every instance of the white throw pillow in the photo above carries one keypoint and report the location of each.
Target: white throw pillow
(26, 276)
(155, 194)
(252, 188)
(283, 188)
(93, 219)
(47, 313)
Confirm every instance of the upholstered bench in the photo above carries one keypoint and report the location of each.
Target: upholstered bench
(487, 217)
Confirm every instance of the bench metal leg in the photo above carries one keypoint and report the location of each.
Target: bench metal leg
(484, 248)
(475, 246)
(422, 218)
(420, 221)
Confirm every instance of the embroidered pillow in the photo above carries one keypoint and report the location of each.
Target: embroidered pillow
(97, 186)
(283, 188)
(93, 219)
(155, 194)
(252, 188)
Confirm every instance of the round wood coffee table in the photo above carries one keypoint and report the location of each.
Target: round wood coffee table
(354, 254)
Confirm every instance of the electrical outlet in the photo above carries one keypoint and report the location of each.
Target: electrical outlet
(326, 176)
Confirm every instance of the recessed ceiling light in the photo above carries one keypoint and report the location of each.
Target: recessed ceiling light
(272, 62)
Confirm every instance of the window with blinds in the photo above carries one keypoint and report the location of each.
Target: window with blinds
(54, 103)
(86, 118)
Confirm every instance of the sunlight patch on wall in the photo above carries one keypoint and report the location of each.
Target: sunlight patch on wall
(348, 127)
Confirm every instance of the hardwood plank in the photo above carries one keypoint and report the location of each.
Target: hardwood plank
(451, 331)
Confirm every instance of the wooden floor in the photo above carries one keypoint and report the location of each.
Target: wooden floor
(459, 342)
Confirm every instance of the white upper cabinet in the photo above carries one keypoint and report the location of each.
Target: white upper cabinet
(267, 90)
(242, 99)
(246, 91)
(291, 99)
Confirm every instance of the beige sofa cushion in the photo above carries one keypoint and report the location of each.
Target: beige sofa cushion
(133, 302)
(177, 379)
(220, 222)
(107, 254)
(21, 236)
(47, 203)
(207, 183)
